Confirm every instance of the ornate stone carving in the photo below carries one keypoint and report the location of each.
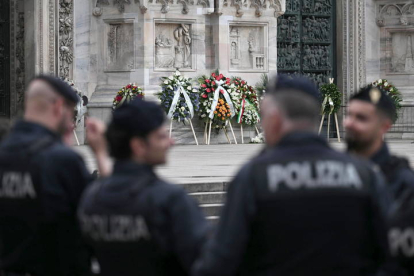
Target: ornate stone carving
(239, 5)
(399, 13)
(65, 38)
(316, 57)
(120, 45)
(288, 28)
(142, 7)
(288, 56)
(402, 58)
(277, 6)
(204, 3)
(185, 3)
(40, 16)
(317, 6)
(260, 5)
(293, 5)
(319, 78)
(316, 29)
(20, 64)
(173, 46)
(121, 4)
(52, 31)
(247, 48)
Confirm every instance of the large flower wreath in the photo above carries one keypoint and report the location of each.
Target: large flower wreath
(331, 97)
(178, 98)
(391, 91)
(127, 94)
(246, 103)
(215, 100)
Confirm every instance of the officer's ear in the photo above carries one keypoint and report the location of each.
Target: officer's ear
(57, 107)
(138, 147)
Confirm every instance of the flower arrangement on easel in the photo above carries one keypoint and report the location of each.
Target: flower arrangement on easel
(246, 105)
(216, 105)
(127, 94)
(80, 108)
(179, 99)
(391, 91)
(332, 99)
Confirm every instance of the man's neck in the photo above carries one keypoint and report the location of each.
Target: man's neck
(370, 151)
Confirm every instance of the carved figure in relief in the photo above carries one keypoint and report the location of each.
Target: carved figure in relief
(405, 63)
(183, 49)
(233, 50)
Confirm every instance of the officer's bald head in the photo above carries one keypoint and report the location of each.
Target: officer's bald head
(39, 96)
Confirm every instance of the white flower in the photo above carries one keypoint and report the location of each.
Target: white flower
(194, 90)
(171, 77)
(205, 103)
(177, 73)
(203, 116)
(180, 78)
(182, 108)
(189, 88)
(170, 87)
(380, 81)
(392, 89)
(386, 84)
(166, 82)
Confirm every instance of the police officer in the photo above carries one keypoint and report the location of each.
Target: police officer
(370, 115)
(41, 181)
(300, 208)
(137, 223)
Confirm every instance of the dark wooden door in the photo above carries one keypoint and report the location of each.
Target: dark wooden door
(4, 58)
(306, 39)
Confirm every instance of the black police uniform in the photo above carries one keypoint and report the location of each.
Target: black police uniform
(400, 179)
(141, 225)
(299, 209)
(41, 184)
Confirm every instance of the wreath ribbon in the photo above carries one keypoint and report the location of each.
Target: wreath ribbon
(246, 103)
(177, 92)
(216, 98)
(327, 99)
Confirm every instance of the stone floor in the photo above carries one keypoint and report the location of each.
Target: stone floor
(200, 164)
(205, 171)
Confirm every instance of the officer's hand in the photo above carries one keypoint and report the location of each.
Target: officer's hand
(95, 134)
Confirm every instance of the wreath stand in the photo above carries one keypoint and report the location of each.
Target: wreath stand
(325, 101)
(242, 134)
(192, 129)
(329, 123)
(207, 132)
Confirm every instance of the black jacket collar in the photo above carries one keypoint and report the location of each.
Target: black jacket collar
(131, 168)
(302, 138)
(382, 156)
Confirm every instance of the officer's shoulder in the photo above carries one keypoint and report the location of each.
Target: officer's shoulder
(60, 153)
(167, 188)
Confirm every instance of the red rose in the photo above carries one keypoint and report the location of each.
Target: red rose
(218, 78)
(228, 82)
(213, 75)
(213, 89)
(221, 76)
(128, 86)
(236, 83)
(203, 85)
(222, 91)
(228, 79)
(118, 98)
(213, 83)
(208, 80)
(204, 96)
(208, 90)
(243, 82)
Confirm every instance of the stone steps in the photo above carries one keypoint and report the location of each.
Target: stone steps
(211, 197)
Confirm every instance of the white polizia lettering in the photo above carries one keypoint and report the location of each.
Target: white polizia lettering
(120, 228)
(401, 240)
(17, 185)
(296, 175)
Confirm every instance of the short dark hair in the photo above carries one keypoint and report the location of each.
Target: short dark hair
(382, 101)
(298, 106)
(297, 96)
(118, 142)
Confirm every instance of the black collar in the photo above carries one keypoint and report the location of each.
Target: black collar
(23, 126)
(382, 156)
(302, 138)
(131, 168)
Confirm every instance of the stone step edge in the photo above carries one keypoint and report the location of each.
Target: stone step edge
(206, 205)
(208, 193)
(212, 217)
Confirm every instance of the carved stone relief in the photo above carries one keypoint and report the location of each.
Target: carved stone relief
(399, 13)
(247, 48)
(288, 56)
(316, 57)
(402, 59)
(65, 38)
(316, 29)
(120, 47)
(173, 46)
(319, 78)
(317, 6)
(288, 28)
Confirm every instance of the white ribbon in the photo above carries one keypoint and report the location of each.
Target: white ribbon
(216, 98)
(180, 89)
